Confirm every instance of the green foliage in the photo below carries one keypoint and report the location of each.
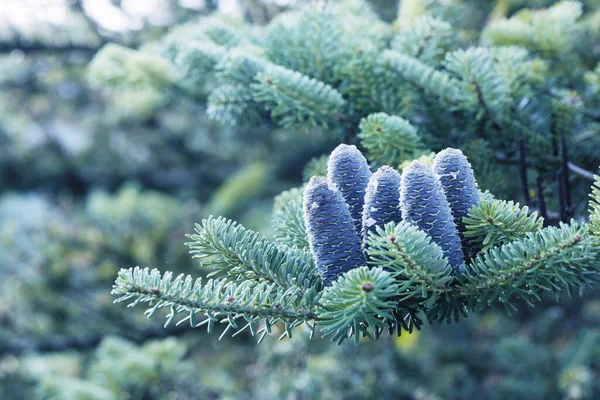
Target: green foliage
(317, 55)
(196, 62)
(389, 140)
(295, 99)
(288, 224)
(243, 255)
(217, 300)
(494, 222)
(549, 31)
(317, 166)
(551, 259)
(425, 78)
(119, 366)
(135, 80)
(413, 259)
(360, 301)
(426, 39)
(453, 72)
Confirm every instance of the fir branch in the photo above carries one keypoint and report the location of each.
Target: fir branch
(361, 301)
(551, 259)
(196, 61)
(418, 264)
(427, 39)
(234, 105)
(287, 221)
(389, 140)
(424, 77)
(494, 222)
(220, 300)
(242, 254)
(296, 100)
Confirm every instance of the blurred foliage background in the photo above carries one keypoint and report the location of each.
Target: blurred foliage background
(89, 185)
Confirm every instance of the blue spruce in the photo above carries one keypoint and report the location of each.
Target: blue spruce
(348, 170)
(382, 200)
(334, 243)
(424, 204)
(457, 179)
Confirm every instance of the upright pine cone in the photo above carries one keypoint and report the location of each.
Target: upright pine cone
(424, 204)
(382, 200)
(457, 179)
(348, 170)
(334, 243)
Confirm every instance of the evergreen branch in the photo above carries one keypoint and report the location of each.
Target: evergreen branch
(482, 88)
(233, 105)
(196, 62)
(426, 78)
(494, 222)
(418, 264)
(315, 55)
(427, 39)
(359, 302)
(240, 66)
(389, 140)
(367, 85)
(580, 171)
(295, 99)
(317, 166)
(242, 254)
(551, 259)
(220, 300)
(287, 221)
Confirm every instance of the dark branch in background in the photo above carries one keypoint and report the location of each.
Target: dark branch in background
(562, 203)
(487, 116)
(523, 172)
(580, 171)
(543, 211)
(38, 47)
(565, 169)
(576, 169)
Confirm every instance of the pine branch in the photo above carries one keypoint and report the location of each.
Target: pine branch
(541, 200)
(287, 221)
(494, 222)
(551, 259)
(419, 265)
(389, 140)
(241, 254)
(360, 302)
(295, 100)
(427, 79)
(219, 300)
(427, 39)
